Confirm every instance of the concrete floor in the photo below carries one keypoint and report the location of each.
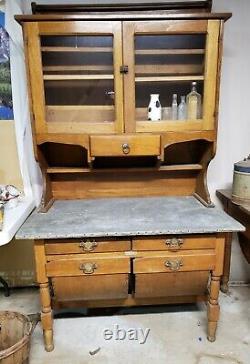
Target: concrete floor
(177, 334)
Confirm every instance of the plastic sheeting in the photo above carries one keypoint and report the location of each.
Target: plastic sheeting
(29, 168)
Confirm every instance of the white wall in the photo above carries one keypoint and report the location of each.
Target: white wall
(234, 118)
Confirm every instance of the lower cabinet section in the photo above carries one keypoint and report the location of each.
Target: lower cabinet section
(103, 287)
(89, 271)
(170, 284)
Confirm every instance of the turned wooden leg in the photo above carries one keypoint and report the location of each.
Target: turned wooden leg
(227, 263)
(46, 316)
(213, 307)
(42, 279)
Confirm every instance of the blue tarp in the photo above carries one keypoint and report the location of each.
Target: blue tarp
(2, 18)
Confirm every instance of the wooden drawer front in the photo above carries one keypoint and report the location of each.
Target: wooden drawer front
(124, 145)
(80, 265)
(171, 284)
(76, 246)
(90, 287)
(153, 262)
(174, 243)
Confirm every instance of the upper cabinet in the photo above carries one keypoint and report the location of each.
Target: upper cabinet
(75, 78)
(164, 58)
(102, 82)
(97, 77)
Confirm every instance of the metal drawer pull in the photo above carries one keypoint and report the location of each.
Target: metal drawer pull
(174, 264)
(88, 245)
(88, 268)
(174, 243)
(126, 148)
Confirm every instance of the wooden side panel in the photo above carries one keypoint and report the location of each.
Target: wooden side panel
(36, 76)
(103, 287)
(211, 68)
(170, 284)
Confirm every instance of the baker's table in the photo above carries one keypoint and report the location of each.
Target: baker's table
(240, 212)
(128, 251)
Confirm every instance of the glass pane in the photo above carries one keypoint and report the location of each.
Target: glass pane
(78, 78)
(167, 65)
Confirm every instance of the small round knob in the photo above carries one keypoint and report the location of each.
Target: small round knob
(125, 148)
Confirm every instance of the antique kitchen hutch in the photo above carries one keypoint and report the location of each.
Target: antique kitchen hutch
(125, 216)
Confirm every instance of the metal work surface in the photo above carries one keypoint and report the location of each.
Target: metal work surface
(126, 217)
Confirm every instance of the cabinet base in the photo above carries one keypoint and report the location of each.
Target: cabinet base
(129, 302)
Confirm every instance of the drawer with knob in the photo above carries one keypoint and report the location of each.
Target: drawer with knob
(185, 261)
(86, 265)
(125, 145)
(88, 245)
(174, 243)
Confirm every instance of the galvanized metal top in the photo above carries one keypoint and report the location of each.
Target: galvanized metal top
(126, 217)
(243, 166)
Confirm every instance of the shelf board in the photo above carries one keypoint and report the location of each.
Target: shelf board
(87, 67)
(77, 77)
(177, 167)
(110, 49)
(77, 49)
(169, 78)
(52, 170)
(169, 51)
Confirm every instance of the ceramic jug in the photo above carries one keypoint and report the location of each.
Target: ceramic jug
(154, 108)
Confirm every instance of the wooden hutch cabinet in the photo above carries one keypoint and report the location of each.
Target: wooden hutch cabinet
(91, 71)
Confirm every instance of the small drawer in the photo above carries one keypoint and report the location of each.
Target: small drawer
(103, 287)
(125, 145)
(156, 262)
(78, 246)
(81, 265)
(171, 284)
(174, 243)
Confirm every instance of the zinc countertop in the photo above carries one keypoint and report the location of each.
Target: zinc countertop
(114, 217)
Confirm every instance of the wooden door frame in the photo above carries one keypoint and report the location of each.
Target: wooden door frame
(209, 27)
(32, 33)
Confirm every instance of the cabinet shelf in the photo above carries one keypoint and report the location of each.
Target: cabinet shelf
(77, 77)
(110, 49)
(177, 167)
(78, 68)
(169, 51)
(78, 49)
(169, 78)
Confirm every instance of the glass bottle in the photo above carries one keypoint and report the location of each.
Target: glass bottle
(174, 110)
(182, 109)
(193, 103)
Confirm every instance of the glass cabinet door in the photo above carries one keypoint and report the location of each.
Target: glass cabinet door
(80, 82)
(167, 60)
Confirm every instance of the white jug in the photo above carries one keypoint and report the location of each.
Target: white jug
(154, 108)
